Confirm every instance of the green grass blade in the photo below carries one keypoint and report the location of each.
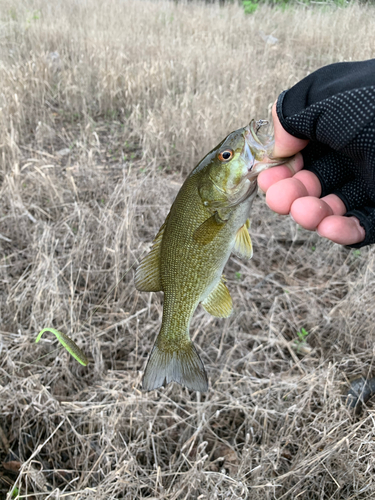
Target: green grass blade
(68, 343)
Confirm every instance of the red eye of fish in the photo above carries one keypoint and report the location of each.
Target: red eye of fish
(225, 155)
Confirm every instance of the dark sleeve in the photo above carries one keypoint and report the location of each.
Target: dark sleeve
(335, 108)
(331, 105)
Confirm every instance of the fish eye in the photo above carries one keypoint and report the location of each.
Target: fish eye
(225, 155)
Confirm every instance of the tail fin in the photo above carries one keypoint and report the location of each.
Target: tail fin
(183, 366)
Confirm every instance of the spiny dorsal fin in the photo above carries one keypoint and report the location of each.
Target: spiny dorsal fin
(219, 302)
(243, 247)
(147, 275)
(208, 230)
(182, 365)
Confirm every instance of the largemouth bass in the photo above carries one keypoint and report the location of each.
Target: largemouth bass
(208, 220)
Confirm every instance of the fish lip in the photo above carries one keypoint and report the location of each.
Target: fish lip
(249, 157)
(254, 151)
(252, 188)
(260, 153)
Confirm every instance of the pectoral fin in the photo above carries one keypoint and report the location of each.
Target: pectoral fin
(219, 302)
(243, 247)
(147, 275)
(207, 231)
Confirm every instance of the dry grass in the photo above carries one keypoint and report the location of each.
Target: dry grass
(105, 106)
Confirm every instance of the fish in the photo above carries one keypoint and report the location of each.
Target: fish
(208, 220)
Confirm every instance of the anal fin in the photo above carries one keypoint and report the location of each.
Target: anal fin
(147, 275)
(219, 302)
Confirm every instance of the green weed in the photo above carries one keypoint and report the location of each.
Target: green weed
(250, 6)
(301, 341)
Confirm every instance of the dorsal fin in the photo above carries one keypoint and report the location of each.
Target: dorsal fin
(147, 275)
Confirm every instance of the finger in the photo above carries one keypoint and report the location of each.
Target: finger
(275, 174)
(281, 196)
(337, 205)
(310, 181)
(366, 217)
(342, 230)
(285, 144)
(310, 211)
(315, 151)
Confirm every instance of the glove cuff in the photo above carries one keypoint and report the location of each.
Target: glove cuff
(366, 217)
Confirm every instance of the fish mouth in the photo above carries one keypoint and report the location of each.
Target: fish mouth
(258, 150)
(248, 155)
(254, 150)
(258, 137)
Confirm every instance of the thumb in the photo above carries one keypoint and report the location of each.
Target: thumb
(285, 144)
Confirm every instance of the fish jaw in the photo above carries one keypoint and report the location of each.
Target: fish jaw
(249, 189)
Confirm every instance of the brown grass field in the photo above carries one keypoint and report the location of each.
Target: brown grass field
(105, 106)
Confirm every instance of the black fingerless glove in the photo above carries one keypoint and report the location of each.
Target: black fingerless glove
(334, 108)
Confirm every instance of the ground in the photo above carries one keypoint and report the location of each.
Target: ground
(105, 108)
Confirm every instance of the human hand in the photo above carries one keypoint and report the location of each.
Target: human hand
(299, 194)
